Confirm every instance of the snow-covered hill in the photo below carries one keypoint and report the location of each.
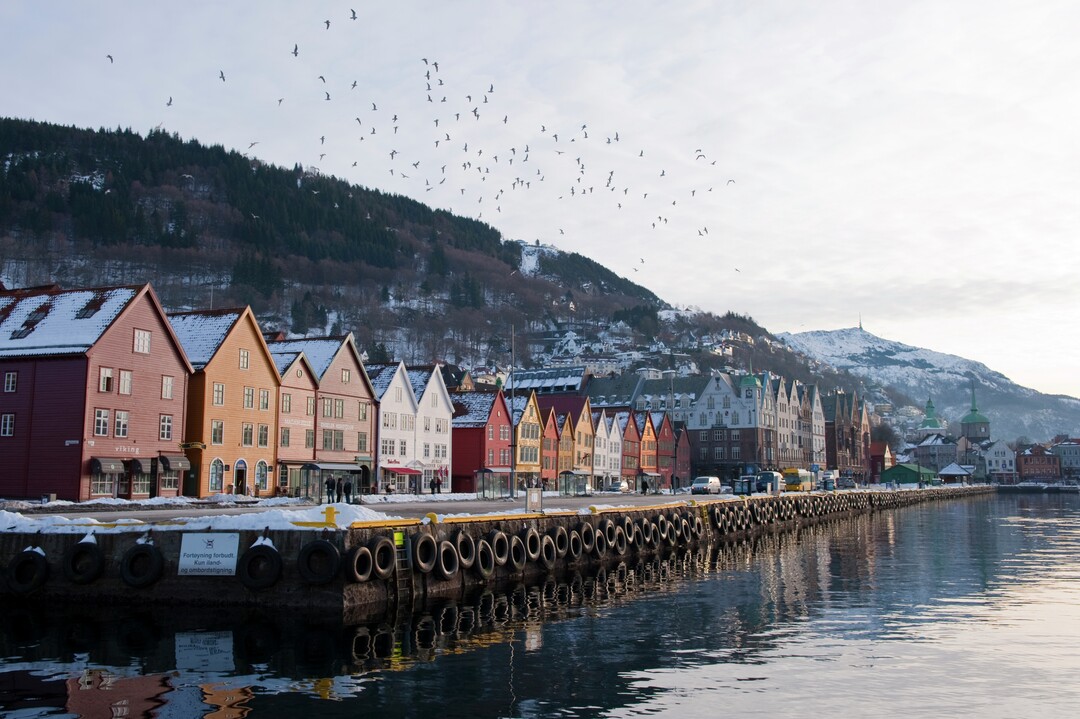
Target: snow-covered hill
(1014, 411)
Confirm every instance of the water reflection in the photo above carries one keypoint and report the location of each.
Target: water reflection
(663, 634)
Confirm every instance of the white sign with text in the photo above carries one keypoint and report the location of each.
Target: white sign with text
(206, 554)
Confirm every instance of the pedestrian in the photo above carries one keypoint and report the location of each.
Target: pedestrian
(438, 485)
(330, 488)
(348, 490)
(434, 481)
(340, 488)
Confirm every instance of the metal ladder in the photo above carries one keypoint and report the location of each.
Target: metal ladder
(405, 585)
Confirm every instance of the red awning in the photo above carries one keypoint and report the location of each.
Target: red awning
(402, 470)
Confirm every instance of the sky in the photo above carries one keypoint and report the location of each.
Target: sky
(911, 166)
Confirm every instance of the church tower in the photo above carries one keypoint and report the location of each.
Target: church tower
(974, 425)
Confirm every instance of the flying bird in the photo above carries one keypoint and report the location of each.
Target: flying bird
(169, 103)
(373, 107)
(731, 182)
(221, 74)
(295, 50)
(323, 79)
(353, 16)
(110, 58)
(327, 24)
(327, 96)
(253, 144)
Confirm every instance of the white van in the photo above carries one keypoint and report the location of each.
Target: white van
(706, 485)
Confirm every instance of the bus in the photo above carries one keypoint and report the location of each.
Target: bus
(769, 482)
(798, 480)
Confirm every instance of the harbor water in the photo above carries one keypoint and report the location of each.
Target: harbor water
(959, 608)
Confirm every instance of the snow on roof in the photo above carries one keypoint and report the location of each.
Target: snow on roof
(517, 405)
(381, 375)
(58, 323)
(569, 378)
(202, 332)
(283, 359)
(419, 378)
(320, 351)
(472, 409)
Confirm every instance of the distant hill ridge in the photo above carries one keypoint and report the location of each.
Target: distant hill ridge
(1013, 411)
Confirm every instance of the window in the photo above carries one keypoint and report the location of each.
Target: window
(264, 399)
(247, 434)
(387, 447)
(286, 403)
(264, 435)
(140, 484)
(363, 411)
(735, 452)
(491, 431)
(284, 442)
(310, 406)
(504, 431)
(101, 422)
(504, 457)
(309, 439)
(718, 435)
(434, 400)
(339, 408)
(734, 435)
(217, 475)
(105, 379)
(165, 427)
(408, 422)
(703, 453)
(346, 375)
(245, 359)
(361, 442)
(327, 407)
(219, 394)
(125, 382)
(402, 448)
(217, 431)
(102, 483)
(441, 425)
(427, 450)
(389, 420)
(166, 386)
(249, 397)
(397, 394)
(718, 452)
(427, 424)
(121, 427)
(7, 424)
(704, 435)
(11, 381)
(261, 475)
(491, 457)
(142, 342)
(170, 480)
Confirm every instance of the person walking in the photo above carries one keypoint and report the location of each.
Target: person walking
(348, 490)
(330, 489)
(434, 483)
(339, 486)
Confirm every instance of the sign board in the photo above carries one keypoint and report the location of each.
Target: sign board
(208, 554)
(204, 651)
(534, 499)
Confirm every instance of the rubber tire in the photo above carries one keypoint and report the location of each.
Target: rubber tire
(259, 567)
(83, 562)
(359, 564)
(448, 562)
(144, 557)
(562, 540)
(607, 528)
(531, 539)
(600, 545)
(383, 557)
(466, 549)
(620, 543)
(518, 554)
(425, 552)
(485, 559)
(28, 570)
(574, 546)
(588, 537)
(330, 562)
(500, 546)
(548, 552)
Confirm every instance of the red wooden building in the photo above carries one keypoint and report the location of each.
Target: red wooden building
(481, 439)
(549, 450)
(94, 394)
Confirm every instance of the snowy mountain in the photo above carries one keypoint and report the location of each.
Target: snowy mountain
(1014, 411)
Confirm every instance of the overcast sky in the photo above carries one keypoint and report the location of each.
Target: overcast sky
(915, 164)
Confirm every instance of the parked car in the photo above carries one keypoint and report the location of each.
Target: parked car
(846, 483)
(706, 485)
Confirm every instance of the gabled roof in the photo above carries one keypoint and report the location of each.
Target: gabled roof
(472, 409)
(381, 375)
(559, 379)
(618, 391)
(320, 351)
(58, 322)
(419, 376)
(202, 332)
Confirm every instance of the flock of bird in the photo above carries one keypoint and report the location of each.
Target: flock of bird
(469, 149)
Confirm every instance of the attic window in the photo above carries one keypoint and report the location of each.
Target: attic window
(23, 331)
(91, 308)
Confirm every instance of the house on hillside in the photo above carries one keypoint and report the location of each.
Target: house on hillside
(232, 402)
(93, 399)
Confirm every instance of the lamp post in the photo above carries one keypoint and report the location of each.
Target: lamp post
(671, 420)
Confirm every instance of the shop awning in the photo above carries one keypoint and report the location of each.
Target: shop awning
(649, 474)
(138, 465)
(576, 472)
(495, 470)
(175, 463)
(402, 470)
(333, 466)
(106, 465)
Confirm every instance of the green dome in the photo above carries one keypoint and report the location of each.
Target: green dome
(974, 417)
(749, 380)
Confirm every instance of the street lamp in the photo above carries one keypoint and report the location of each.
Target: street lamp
(671, 420)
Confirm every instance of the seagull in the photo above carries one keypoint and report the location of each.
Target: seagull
(327, 96)
(353, 16)
(169, 103)
(435, 65)
(295, 50)
(731, 182)
(280, 100)
(373, 107)
(642, 260)
(353, 85)
(323, 79)
(221, 74)
(253, 144)
(110, 58)
(322, 140)
(327, 24)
